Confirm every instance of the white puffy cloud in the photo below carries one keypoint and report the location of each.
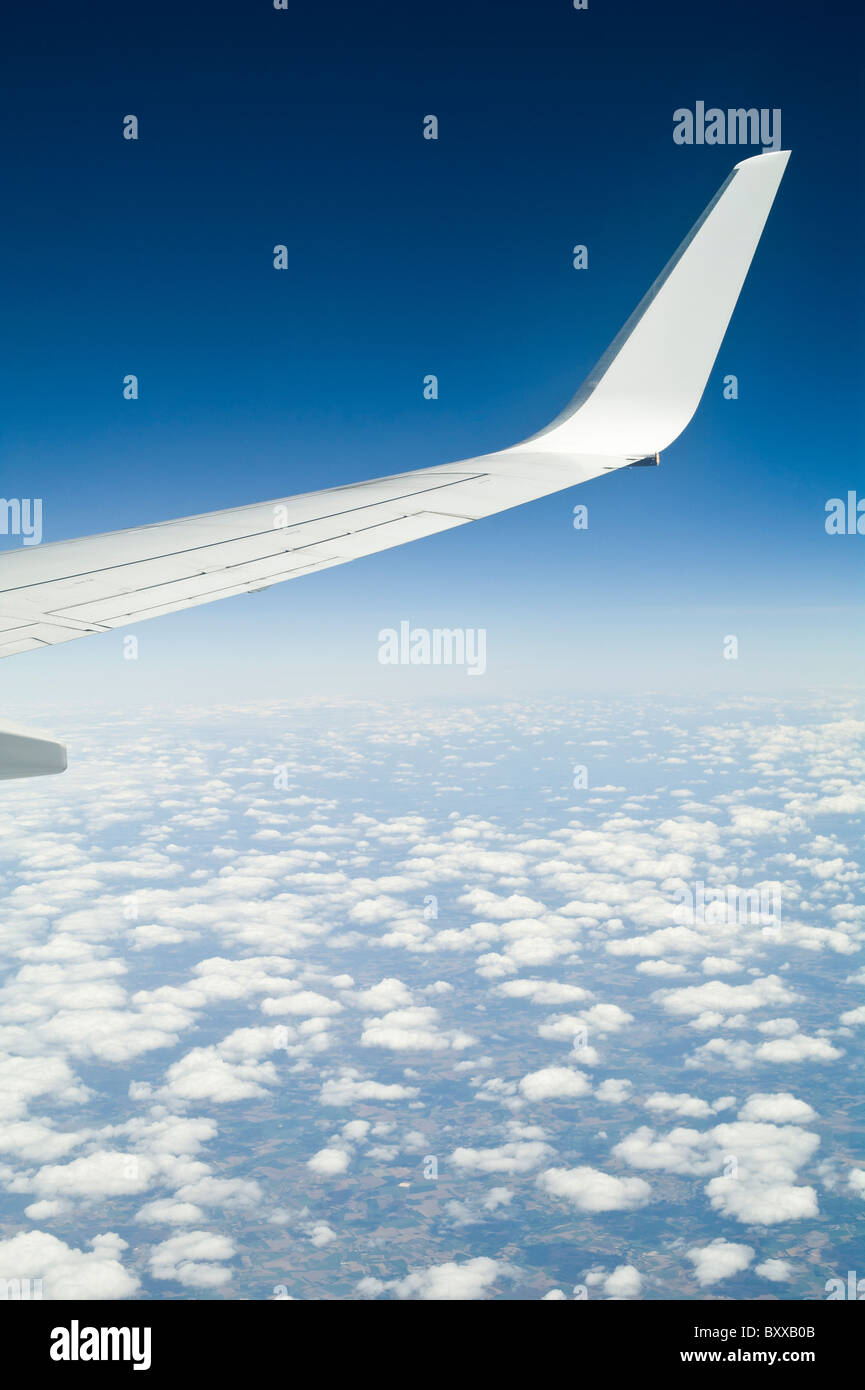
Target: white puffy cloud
(545, 992)
(625, 1282)
(355, 1130)
(554, 1083)
(606, 1018)
(716, 996)
(779, 1271)
(756, 1166)
(305, 1003)
(34, 1142)
(517, 1156)
(329, 1162)
(742, 1055)
(589, 1189)
(856, 1182)
(234, 1194)
(350, 1087)
(101, 1174)
(24, 1079)
(192, 1259)
(320, 1234)
(46, 1208)
(203, 1074)
(412, 1030)
(778, 1107)
(615, 1090)
(167, 1211)
(679, 1104)
(471, 1279)
(497, 1197)
(762, 1203)
(721, 1259)
(798, 1048)
(66, 1272)
(389, 993)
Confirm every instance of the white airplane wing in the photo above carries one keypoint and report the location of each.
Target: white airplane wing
(634, 403)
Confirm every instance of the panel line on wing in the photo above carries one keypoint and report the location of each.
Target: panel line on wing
(252, 535)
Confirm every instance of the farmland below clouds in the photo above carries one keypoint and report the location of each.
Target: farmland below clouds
(519, 1000)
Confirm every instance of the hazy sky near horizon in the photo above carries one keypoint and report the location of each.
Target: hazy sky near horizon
(410, 257)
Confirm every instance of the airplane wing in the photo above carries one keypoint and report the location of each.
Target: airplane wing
(634, 403)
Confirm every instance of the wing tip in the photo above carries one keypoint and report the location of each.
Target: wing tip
(29, 753)
(766, 156)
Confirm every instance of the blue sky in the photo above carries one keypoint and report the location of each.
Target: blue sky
(453, 257)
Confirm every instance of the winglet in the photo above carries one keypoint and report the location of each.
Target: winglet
(648, 384)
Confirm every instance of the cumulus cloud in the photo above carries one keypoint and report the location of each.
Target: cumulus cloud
(517, 1156)
(779, 1107)
(320, 1234)
(413, 1030)
(103, 1173)
(798, 1048)
(680, 1104)
(66, 1272)
(471, 1279)
(856, 1182)
(721, 1259)
(497, 1197)
(167, 1211)
(203, 1074)
(548, 992)
(756, 1166)
(716, 996)
(762, 1203)
(350, 1087)
(626, 1281)
(389, 993)
(779, 1271)
(589, 1189)
(554, 1083)
(329, 1162)
(614, 1091)
(192, 1259)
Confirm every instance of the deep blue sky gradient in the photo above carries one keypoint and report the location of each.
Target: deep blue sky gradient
(410, 257)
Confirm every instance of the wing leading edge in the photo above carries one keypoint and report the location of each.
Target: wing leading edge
(635, 402)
